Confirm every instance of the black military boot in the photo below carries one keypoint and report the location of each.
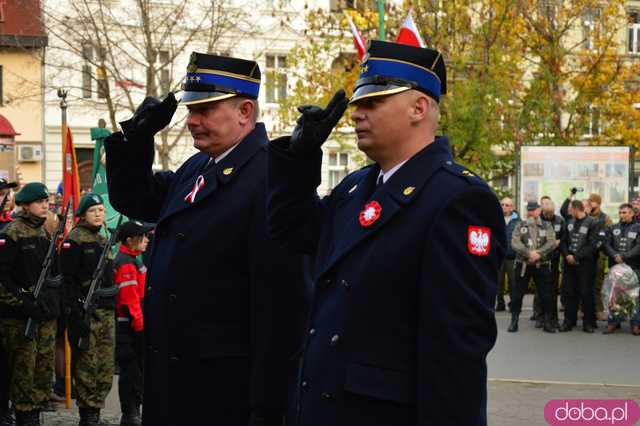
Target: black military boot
(565, 327)
(131, 416)
(549, 325)
(513, 326)
(28, 418)
(89, 416)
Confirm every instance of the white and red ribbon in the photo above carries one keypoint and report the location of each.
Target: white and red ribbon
(191, 196)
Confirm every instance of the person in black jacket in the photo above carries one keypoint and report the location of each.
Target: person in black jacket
(505, 275)
(560, 230)
(578, 250)
(622, 245)
(226, 307)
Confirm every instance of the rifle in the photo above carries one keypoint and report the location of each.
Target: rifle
(88, 304)
(46, 267)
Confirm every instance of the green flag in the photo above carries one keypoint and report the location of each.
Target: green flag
(99, 175)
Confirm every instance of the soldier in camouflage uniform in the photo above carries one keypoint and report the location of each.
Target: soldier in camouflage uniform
(23, 247)
(93, 366)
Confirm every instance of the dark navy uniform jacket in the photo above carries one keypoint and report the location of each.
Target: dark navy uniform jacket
(225, 307)
(403, 309)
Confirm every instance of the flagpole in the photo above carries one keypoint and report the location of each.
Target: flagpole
(62, 94)
(381, 19)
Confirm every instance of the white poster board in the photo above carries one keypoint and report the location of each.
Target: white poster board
(554, 170)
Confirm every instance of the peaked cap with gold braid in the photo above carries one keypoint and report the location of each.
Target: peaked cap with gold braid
(213, 78)
(389, 68)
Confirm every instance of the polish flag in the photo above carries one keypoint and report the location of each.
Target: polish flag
(409, 33)
(358, 40)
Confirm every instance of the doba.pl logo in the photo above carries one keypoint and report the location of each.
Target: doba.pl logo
(591, 412)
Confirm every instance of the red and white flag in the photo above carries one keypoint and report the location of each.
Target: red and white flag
(358, 40)
(409, 33)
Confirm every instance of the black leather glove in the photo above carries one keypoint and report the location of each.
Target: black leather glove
(150, 117)
(31, 308)
(80, 325)
(315, 125)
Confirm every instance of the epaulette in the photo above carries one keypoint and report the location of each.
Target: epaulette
(462, 172)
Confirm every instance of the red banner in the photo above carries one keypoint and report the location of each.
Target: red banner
(70, 176)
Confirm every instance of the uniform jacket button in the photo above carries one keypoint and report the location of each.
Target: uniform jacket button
(173, 297)
(312, 332)
(180, 235)
(346, 284)
(326, 395)
(174, 359)
(335, 339)
(327, 282)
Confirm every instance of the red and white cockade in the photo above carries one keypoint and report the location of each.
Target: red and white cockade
(370, 214)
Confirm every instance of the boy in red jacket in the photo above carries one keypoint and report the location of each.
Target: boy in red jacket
(130, 275)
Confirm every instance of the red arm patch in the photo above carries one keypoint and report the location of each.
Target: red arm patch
(479, 240)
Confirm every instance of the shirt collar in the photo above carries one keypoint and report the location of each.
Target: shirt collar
(386, 176)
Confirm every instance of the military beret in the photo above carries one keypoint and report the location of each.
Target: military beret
(5, 184)
(33, 191)
(87, 201)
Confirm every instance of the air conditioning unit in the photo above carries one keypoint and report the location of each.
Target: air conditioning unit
(29, 153)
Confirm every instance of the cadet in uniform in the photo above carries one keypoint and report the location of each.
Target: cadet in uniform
(407, 253)
(93, 367)
(533, 241)
(23, 247)
(226, 307)
(622, 245)
(130, 277)
(578, 250)
(6, 418)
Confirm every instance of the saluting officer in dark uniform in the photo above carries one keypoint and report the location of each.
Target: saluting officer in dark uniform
(622, 245)
(578, 250)
(225, 307)
(533, 241)
(407, 253)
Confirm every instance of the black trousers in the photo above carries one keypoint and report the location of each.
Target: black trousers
(555, 290)
(541, 276)
(578, 288)
(4, 378)
(130, 358)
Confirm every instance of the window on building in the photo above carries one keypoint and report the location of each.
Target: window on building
(338, 167)
(87, 52)
(589, 21)
(103, 85)
(592, 125)
(276, 68)
(634, 32)
(165, 78)
(86, 81)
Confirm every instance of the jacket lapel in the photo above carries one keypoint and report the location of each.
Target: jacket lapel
(215, 175)
(397, 193)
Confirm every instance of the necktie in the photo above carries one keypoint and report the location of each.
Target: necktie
(380, 181)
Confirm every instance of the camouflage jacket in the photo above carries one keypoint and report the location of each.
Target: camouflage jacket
(81, 251)
(23, 247)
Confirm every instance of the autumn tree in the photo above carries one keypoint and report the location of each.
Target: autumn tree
(113, 54)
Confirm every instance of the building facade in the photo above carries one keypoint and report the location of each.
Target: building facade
(22, 46)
